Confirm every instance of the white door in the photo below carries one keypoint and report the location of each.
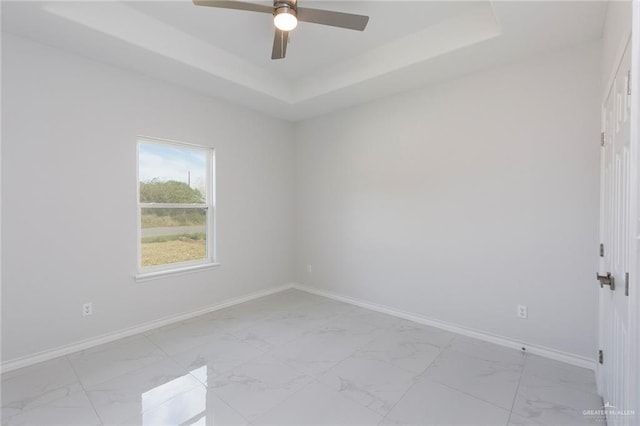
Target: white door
(618, 247)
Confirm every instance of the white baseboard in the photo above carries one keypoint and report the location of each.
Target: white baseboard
(454, 328)
(28, 360)
(543, 351)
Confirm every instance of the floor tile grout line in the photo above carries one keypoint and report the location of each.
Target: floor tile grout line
(467, 394)
(311, 382)
(14, 374)
(386, 362)
(134, 370)
(146, 337)
(313, 374)
(207, 389)
(382, 417)
(90, 351)
(250, 421)
(406, 370)
(84, 390)
(415, 375)
(515, 397)
(414, 384)
(348, 356)
(206, 386)
(158, 347)
(230, 370)
(307, 331)
(235, 410)
(443, 349)
(425, 377)
(173, 360)
(316, 378)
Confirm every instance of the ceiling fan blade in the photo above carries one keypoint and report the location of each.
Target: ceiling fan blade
(280, 44)
(334, 19)
(238, 5)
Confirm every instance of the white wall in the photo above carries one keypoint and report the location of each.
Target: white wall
(456, 202)
(460, 201)
(68, 197)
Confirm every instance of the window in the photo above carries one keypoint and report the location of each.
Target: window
(176, 213)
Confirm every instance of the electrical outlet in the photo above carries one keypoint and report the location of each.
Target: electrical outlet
(523, 312)
(309, 269)
(87, 309)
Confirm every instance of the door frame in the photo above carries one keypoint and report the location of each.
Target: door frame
(634, 266)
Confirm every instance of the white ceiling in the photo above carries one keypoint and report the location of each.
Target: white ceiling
(250, 35)
(226, 53)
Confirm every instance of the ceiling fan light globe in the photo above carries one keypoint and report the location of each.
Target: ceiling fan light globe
(285, 19)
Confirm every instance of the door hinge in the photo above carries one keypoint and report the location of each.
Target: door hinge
(626, 284)
(602, 138)
(601, 250)
(629, 83)
(600, 356)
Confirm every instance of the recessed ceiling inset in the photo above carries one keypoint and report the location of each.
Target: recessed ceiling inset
(221, 53)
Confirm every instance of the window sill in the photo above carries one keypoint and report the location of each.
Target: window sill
(147, 276)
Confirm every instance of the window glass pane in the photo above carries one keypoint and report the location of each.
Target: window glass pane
(172, 174)
(171, 235)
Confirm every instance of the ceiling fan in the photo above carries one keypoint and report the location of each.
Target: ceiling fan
(286, 15)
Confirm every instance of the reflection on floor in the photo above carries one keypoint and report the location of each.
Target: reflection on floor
(294, 359)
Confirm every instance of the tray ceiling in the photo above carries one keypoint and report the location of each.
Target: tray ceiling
(226, 53)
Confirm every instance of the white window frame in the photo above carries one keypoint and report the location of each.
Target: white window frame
(178, 268)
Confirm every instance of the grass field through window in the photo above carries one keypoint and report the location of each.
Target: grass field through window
(169, 238)
(160, 250)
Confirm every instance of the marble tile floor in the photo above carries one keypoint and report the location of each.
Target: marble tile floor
(293, 358)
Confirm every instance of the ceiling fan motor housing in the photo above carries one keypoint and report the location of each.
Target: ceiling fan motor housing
(293, 4)
(285, 6)
(284, 9)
